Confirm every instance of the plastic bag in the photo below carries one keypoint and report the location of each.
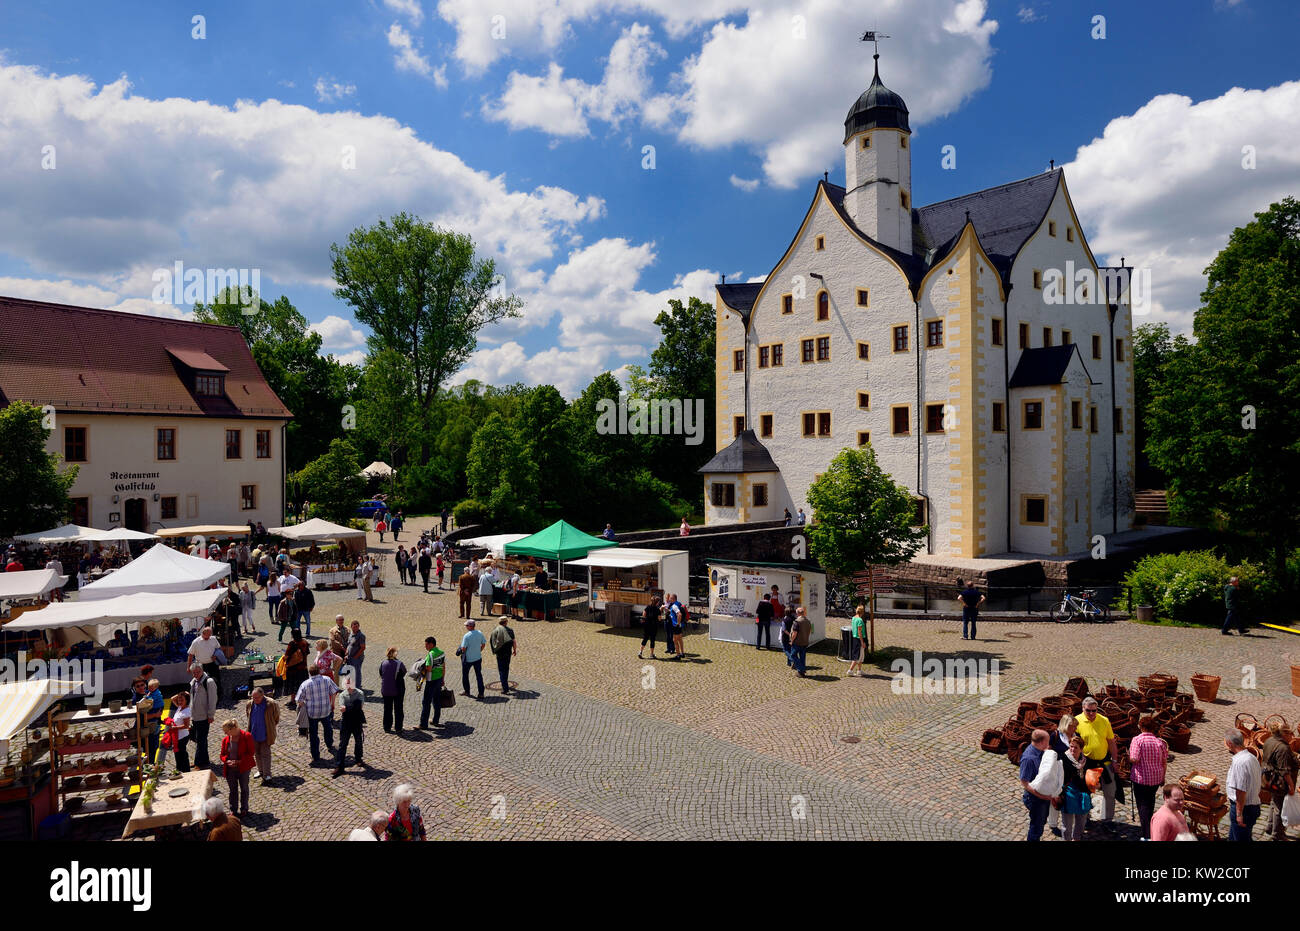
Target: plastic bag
(1291, 810)
(1050, 776)
(1093, 779)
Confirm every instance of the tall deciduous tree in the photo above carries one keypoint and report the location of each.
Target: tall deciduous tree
(1154, 348)
(423, 293)
(332, 483)
(861, 517)
(1225, 428)
(36, 489)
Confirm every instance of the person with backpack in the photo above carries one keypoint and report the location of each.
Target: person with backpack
(431, 670)
(799, 642)
(304, 602)
(381, 528)
(649, 625)
(677, 617)
(787, 633)
(504, 647)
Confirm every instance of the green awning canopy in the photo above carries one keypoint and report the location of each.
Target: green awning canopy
(561, 541)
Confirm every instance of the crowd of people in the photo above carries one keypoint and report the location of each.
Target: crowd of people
(1063, 772)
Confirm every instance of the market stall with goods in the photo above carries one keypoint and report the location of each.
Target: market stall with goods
(560, 542)
(332, 566)
(25, 779)
(621, 581)
(159, 569)
(736, 588)
(27, 590)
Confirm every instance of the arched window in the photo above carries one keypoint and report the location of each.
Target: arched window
(823, 305)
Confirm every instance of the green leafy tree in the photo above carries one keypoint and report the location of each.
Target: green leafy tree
(423, 293)
(1154, 349)
(331, 482)
(385, 419)
(1225, 426)
(542, 421)
(500, 472)
(312, 386)
(36, 489)
(861, 517)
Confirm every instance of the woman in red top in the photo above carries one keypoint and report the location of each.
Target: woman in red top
(238, 754)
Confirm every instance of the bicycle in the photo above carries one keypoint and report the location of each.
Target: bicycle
(1079, 606)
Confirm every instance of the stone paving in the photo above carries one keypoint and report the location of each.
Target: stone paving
(728, 743)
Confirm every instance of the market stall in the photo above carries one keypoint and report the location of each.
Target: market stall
(559, 542)
(25, 797)
(160, 569)
(75, 533)
(736, 588)
(206, 531)
(632, 576)
(326, 569)
(29, 585)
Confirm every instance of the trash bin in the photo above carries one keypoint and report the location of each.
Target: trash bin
(849, 646)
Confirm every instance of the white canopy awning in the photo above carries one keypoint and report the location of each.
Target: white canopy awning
(495, 543)
(33, 583)
(378, 469)
(160, 569)
(96, 619)
(206, 530)
(22, 702)
(74, 533)
(623, 558)
(316, 529)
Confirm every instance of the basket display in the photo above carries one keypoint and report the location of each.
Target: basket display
(1179, 737)
(1206, 687)
(992, 742)
(1076, 688)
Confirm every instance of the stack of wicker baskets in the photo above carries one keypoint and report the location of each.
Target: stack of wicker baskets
(1205, 803)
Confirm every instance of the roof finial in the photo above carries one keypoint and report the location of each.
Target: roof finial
(826, 176)
(874, 38)
(724, 279)
(1051, 164)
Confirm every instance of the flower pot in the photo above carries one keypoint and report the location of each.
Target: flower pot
(1146, 613)
(1205, 687)
(115, 705)
(93, 709)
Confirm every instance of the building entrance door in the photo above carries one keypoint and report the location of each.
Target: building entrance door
(136, 516)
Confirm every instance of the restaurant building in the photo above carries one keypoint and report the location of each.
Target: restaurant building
(169, 422)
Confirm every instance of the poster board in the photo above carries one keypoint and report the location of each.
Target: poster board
(735, 591)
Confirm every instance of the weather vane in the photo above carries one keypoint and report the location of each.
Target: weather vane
(874, 38)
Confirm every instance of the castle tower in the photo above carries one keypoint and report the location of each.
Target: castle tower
(878, 166)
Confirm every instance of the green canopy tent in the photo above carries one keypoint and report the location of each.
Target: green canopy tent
(560, 541)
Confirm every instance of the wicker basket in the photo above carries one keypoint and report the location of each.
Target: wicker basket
(1076, 688)
(1115, 690)
(1206, 687)
(992, 742)
(1246, 723)
(1179, 737)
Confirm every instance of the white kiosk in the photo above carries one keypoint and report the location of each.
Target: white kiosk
(736, 588)
(629, 575)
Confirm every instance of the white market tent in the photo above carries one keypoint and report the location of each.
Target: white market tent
(378, 469)
(495, 543)
(32, 583)
(160, 569)
(672, 569)
(96, 620)
(74, 533)
(23, 702)
(206, 530)
(316, 529)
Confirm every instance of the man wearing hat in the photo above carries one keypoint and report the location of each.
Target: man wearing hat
(470, 652)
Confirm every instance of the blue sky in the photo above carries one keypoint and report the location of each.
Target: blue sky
(528, 133)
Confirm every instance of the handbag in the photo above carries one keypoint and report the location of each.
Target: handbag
(301, 717)
(447, 699)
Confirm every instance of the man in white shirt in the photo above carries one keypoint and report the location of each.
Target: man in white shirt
(288, 582)
(204, 650)
(58, 570)
(1244, 777)
(378, 825)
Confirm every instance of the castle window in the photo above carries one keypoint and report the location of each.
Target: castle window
(1076, 415)
(1119, 420)
(823, 305)
(1119, 349)
(901, 419)
(806, 349)
(723, 494)
(999, 417)
(864, 438)
(866, 141)
(74, 444)
(738, 425)
(1047, 336)
(1066, 337)
(823, 349)
(864, 400)
(1096, 346)
(863, 297)
(1051, 227)
(821, 243)
(1092, 419)
(904, 200)
(738, 360)
(1033, 510)
(760, 495)
(900, 338)
(809, 424)
(765, 425)
(934, 418)
(778, 354)
(1024, 336)
(1069, 234)
(933, 334)
(1032, 415)
(764, 356)
(1038, 279)
(824, 423)
(817, 423)
(997, 332)
(864, 352)
(902, 142)
(918, 512)
(787, 303)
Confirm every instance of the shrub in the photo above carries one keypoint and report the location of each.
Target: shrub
(1188, 586)
(470, 511)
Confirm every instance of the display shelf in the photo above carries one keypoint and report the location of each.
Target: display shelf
(114, 768)
(82, 716)
(106, 747)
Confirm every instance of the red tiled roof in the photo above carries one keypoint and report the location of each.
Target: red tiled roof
(87, 360)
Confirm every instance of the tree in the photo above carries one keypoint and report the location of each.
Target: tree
(1154, 348)
(422, 292)
(331, 482)
(312, 386)
(500, 472)
(385, 421)
(36, 489)
(1225, 427)
(861, 517)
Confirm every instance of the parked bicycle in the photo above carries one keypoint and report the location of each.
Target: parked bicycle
(1079, 607)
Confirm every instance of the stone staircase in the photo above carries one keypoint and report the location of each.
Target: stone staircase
(1152, 506)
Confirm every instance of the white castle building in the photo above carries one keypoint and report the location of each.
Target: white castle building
(945, 336)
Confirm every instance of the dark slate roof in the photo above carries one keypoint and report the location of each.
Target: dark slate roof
(1004, 216)
(745, 454)
(740, 297)
(877, 108)
(1045, 365)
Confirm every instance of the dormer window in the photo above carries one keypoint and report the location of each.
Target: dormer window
(209, 385)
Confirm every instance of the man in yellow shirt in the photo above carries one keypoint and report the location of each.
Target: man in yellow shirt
(1101, 751)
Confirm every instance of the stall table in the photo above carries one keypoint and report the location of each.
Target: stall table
(168, 812)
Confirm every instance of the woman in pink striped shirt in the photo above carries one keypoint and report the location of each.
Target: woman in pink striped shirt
(1149, 756)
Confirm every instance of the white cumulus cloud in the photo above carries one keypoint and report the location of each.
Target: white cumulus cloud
(407, 56)
(328, 90)
(337, 333)
(408, 8)
(745, 184)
